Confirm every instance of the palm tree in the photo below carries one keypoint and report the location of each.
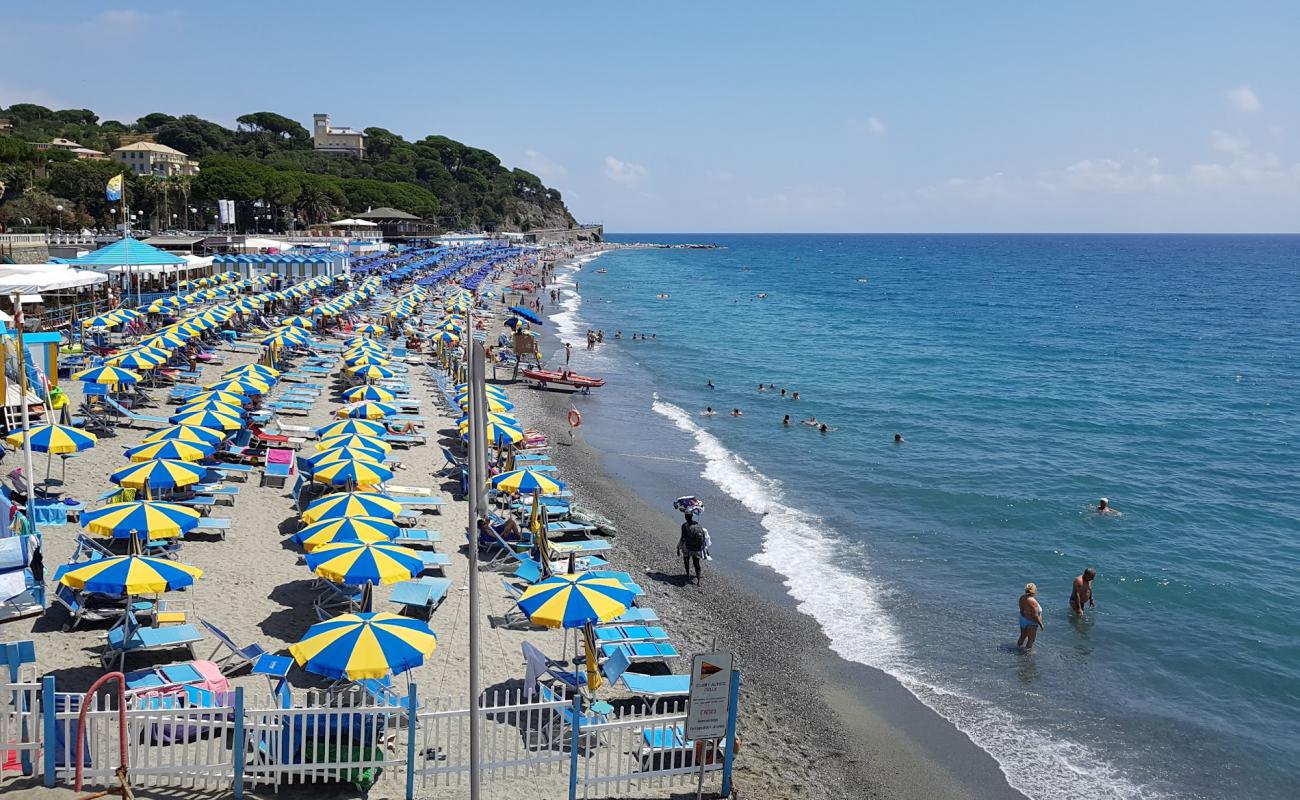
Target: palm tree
(314, 205)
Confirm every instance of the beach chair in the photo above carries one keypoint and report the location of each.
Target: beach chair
(621, 634)
(641, 652)
(450, 461)
(633, 616)
(238, 657)
(131, 416)
(586, 548)
(514, 613)
(130, 637)
(666, 747)
(559, 732)
(421, 596)
(433, 562)
(652, 688)
(410, 537)
(214, 525)
(279, 467)
(81, 608)
(540, 664)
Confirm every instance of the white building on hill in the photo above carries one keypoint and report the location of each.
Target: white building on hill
(342, 141)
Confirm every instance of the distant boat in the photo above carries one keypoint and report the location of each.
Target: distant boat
(662, 296)
(601, 271)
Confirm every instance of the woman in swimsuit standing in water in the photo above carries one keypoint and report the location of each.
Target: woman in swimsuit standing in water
(1031, 617)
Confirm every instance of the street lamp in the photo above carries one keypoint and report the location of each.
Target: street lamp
(59, 208)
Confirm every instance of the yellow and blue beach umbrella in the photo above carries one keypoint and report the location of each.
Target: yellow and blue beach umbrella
(462, 422)
(165, 339)
(171, 450)
(367, 409)
(351, 472)
(364, 646)
(498, 433)
(187, 433)
(107, 375)
(150, 518)
(249, 386)
(372, 372)
(213, 405)
(297, 322)
(361, 440)
(462, 390)
(368, 392)
(55, 439)
(363, 427)
(573, 600)
(348, 530)
(366, 359)
(258, 372)
(494, 404)
(336, 455)
(526, 481)
(158, 474)
(371, 329)
(208, 419)
(351, 504)
(125, 575)
(359, 564)
(229, 398)
(139, 360)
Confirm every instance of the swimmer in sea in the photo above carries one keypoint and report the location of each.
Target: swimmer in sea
(736, 412)
(762, 388)
(811, 422)
(898, 438)
(795, 396)
(783, 392)
(709, 385)
(823, 428)
(1103, 507)
(1031, 617)
(786, 421)
(1081, 592)
(708, 412)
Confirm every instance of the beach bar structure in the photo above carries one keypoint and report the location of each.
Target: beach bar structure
(287, 265)
(133, 264)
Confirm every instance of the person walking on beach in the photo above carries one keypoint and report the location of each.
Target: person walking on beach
(1031, 617)
(1081, 593)
(691, 547)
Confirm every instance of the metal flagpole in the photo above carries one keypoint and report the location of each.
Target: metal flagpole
(477, 471)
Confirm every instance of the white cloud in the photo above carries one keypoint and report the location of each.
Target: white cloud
(875, 127)
(543, 167)
(624, 172)
(1227, 143)
(1108, 175)
(1243, 98)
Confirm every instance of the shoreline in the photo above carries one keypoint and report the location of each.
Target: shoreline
(815, 724)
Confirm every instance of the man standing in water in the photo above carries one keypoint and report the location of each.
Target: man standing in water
(1081, 594)
(1031, 617)
(691, 547)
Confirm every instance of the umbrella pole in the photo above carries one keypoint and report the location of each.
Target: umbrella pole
(19, 323)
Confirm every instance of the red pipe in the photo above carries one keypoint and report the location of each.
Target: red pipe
(121, 722)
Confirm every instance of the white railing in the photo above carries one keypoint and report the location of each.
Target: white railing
(22, 238)
(241, 743)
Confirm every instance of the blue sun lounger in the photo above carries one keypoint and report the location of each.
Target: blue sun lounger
(641, 652)
(622, 634)
(422, 595)
(652, 687)
(131, 637)
(632, 616)
(408, 537)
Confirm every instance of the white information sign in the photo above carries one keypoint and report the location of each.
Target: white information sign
(706, 710)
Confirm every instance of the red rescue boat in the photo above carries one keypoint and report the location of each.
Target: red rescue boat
(550, 376)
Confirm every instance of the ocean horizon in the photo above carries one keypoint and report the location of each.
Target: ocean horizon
(1030, 374)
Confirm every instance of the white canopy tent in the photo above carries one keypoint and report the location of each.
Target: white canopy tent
(354, 223)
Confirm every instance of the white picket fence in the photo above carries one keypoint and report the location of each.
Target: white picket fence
(351, 738)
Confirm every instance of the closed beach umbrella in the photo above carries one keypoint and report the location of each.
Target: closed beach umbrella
(368, 409)
(56, 439)
(348, 530)
(358, 426)
(187, 433)
(351, 473)
(573, 600)
(526, 481)
(208, 419)
(351, 504)
(360, 564)
(364, 646)
(158, 474)
(171, 449)
(368, 392)
(151, 518)
(107, 375)
(125, 575)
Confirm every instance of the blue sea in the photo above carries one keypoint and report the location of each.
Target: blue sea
(1029, 375)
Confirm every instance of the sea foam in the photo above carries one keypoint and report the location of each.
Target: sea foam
(850, 610)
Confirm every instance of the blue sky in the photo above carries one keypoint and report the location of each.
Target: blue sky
(756, 116)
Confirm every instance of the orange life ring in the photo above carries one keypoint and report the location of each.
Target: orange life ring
(575, 419)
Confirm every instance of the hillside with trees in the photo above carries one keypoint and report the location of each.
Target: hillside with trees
(267, 165)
